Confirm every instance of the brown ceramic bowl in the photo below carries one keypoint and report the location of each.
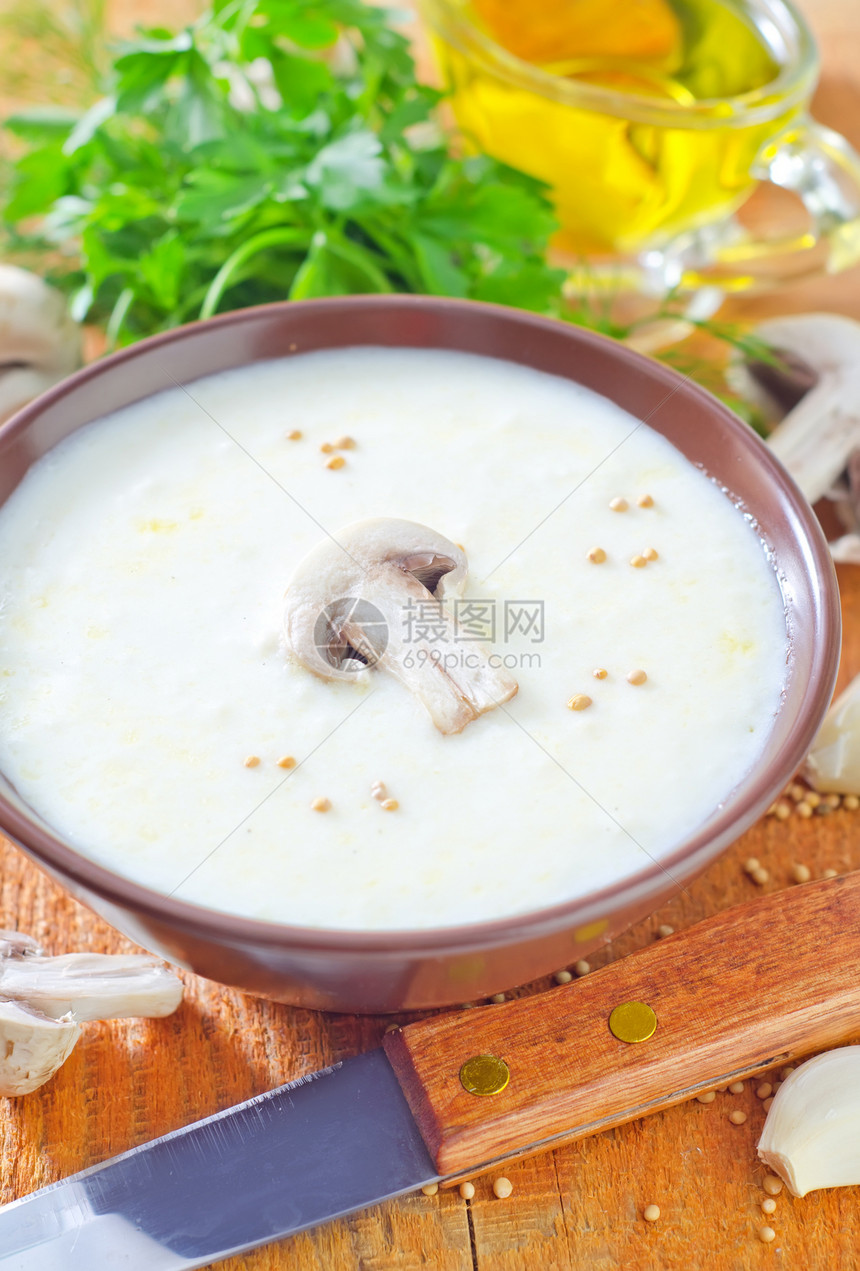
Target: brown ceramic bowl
(396, 970)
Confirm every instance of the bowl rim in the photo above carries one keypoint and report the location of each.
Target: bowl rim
(59, 858)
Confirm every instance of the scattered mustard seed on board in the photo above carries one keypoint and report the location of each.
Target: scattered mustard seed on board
(665, 930)
(764, 1091)
(651, 1213)
(637, 677)
(737, 1117)
(760, 876)
(619, 505)
(337, 461)
(582, 967)
(599, 673)
(645, 501)
(707, 1096)
(344, 443)
(321, 805)
(502, 1187)
(562, 977)
(638, 562)
(766, 1234)
(772, 1184)
(737, 1087)
(768, 1206)
(498, 998)
(287, 761)
(253, 761)
(327, 448)
(389, 805)
(650, 553)
(597, 555)
(295, 435)
(430, 1189)
(467, 1190)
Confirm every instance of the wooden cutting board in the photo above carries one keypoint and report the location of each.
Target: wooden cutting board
(576, 1209)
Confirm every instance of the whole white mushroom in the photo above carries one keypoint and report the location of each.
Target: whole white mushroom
(40, 343)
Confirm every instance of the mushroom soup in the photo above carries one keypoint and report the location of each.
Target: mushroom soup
(380, 638)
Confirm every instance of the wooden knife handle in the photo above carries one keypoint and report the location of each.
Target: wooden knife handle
(756, 985)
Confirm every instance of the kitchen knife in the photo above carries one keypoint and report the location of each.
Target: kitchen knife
(448, 1096)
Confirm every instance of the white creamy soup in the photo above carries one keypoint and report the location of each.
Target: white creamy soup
(151, 708)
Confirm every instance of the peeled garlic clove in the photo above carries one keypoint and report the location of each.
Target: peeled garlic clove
(833, 763)
(811, 1137)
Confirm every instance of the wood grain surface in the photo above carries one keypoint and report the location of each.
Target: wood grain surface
(575, 1209)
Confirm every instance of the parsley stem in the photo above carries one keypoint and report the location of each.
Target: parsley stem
(124, 302)
(266, 238)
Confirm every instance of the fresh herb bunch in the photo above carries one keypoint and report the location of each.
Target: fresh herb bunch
(273, 149)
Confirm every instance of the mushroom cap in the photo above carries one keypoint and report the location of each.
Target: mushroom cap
(32, 1047)
(347, 568)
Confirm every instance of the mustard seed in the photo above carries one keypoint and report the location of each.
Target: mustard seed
(393, 1028)
(562, 977)
(619, 505)
(579, 702)
(637, 677)
(813, 798)
(498, 998)
(766, 1234)
(253, 761)
(651, 1213)
(638, 562)
(467, 1190)
(295, 435)
(582, 967)
(772, 1184)
(378, 790)
(796, 791)
(665, 930)
(287, 762)
(650, 553)
(337, 461)
(597, 556)
(430, 1189)
(782, 811)
(768, 1206)
(752, 863)
(502, 1187)
(327, 448)
(850, 802)
(801, 873)
(737, 1087)
(708, 1096)
(760, 877)
(737, 1117)
(764, 1091)
(645, 501)
(803, 809)
(833, 801)
(786, 1072)
(321, 805)
(830, 873)
(599, 673)
(768, 1104)
(389, 805)
(344, 443)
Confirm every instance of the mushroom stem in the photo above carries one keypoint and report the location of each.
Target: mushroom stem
(32, 1047)
(91, 985)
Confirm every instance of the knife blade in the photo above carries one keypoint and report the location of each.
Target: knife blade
(757, 985)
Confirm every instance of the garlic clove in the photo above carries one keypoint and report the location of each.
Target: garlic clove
(833, 763)
(811, 1137)
(32, 1047)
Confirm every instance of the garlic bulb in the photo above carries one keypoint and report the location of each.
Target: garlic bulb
(811, 1137)
(833, 763)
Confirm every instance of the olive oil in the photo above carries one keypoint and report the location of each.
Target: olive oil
(624, 170)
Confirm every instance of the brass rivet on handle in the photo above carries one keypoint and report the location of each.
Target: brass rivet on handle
(632, 1022)
(484, 1074)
